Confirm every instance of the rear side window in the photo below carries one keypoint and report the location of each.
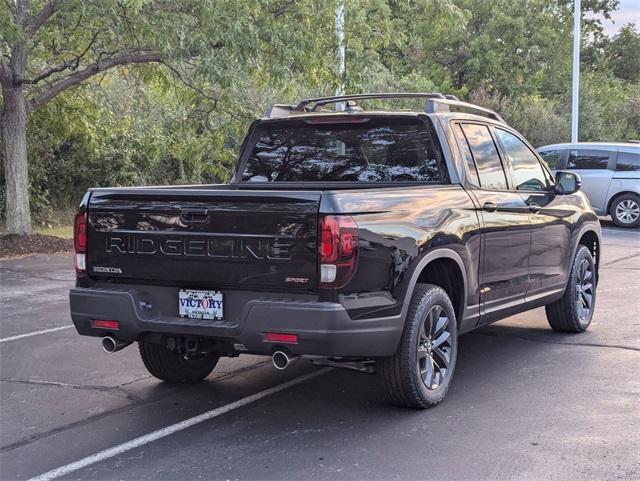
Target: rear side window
(485, 155)
(628, 161)
(527, 171)
(361, 150)
(552, 158)
(466, 153)
(588, 159)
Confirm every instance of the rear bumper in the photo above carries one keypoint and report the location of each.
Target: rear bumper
(323, 328)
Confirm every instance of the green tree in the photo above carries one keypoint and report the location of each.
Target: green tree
(518, 47)
(122, 92)
(623, 53)
(48, 47)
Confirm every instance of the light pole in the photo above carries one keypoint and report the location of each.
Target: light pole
(575, 90)
(339, 26)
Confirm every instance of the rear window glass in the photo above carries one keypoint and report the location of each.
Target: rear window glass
(367, 150)
(628, 161)
(588, 159)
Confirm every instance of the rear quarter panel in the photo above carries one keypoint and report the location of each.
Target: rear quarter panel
(398, 227)
(582, 218)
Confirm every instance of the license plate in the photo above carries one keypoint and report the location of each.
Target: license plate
(200, 304)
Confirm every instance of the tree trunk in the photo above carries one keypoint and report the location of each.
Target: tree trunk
(14, 136)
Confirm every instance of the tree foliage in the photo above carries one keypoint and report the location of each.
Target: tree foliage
(623, 54)
(210, 67)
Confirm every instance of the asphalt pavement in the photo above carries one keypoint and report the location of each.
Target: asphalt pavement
(526, 403)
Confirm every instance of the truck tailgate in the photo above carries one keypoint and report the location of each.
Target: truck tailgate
(204, 237)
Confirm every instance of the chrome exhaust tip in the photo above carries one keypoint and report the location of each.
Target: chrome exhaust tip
(280, 360)
(111, 344)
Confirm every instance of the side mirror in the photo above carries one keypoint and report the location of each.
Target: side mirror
(567, 182)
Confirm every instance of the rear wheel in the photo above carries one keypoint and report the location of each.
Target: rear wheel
(170, 366)
(418, 375)
(625, 211)
(573, 312)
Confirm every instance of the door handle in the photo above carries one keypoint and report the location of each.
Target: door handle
(535, 208)
(194, 214)
(490, 206)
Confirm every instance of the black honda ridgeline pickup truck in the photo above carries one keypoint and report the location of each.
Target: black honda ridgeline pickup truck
(362, 239)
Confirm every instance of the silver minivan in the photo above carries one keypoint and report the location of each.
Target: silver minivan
(610, 174)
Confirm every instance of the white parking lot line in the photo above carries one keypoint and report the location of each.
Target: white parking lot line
(174, 428)
(35, 333)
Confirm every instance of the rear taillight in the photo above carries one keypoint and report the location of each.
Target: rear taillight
(337, 250)
(80, 241)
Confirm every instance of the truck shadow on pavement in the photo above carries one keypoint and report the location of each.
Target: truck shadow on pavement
(507, 393)
(505, 387)
(508, 356)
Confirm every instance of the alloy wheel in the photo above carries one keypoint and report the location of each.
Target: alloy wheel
(628, 211)
(584, 290)
(434, 347)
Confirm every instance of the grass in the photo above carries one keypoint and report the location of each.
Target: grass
(64, 231)
(60, 224)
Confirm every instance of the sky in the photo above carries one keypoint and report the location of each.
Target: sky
(629, 12)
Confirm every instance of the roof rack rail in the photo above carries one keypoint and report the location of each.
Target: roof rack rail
(436, 102)
(304, 105)
(279, 110)
(444, 105)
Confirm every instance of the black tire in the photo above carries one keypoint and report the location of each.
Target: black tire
(403, 379)
(625, 211)
(170, 366)
(568, 314)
